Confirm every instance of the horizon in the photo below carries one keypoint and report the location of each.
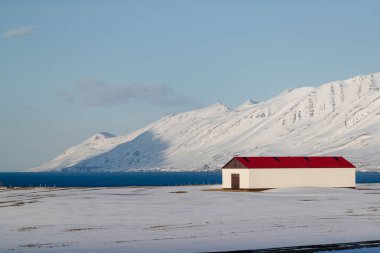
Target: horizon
(72, 69)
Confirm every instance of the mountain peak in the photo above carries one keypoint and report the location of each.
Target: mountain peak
(106, 134)
(100, 136)
(246, 104)
(216, 106)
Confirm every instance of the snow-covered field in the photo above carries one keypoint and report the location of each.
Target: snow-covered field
(183, 219)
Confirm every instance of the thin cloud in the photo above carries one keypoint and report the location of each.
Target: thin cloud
(94, 93)
(19, 32)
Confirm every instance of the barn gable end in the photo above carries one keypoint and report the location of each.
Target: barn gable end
(234, 164)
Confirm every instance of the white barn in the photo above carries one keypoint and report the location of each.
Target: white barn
(260, 173)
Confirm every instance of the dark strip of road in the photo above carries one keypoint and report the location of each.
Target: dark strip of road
(313, 248)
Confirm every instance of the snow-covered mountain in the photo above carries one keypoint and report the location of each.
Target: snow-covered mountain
(338, 118)
(93, 146)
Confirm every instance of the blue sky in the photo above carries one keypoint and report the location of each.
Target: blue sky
(70, 69)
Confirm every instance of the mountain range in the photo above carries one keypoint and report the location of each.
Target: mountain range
(339, 118)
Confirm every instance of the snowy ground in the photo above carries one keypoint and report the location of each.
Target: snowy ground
(184, 219)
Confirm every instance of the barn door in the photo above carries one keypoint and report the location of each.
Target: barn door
(235, 181)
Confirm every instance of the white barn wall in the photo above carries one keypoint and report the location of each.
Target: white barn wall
(244, 177)
(291, 177)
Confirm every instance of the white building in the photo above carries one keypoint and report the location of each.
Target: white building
(259, 173)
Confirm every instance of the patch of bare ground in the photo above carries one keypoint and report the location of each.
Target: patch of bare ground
(37, 245)
(23, 229)
(121, 194)
(43, 245)
(16, 202)
(158, 226)
(6, 202)
(366, 189)
(231, 190)
(183, 226)
(127, 241)
(329, 218)
(80, 229)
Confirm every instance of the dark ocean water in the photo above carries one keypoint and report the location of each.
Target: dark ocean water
(108, 179)
(115, 179)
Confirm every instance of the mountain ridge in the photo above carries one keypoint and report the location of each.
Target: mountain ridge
(336, 118)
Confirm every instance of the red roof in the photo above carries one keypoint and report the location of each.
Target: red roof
(295, 162)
